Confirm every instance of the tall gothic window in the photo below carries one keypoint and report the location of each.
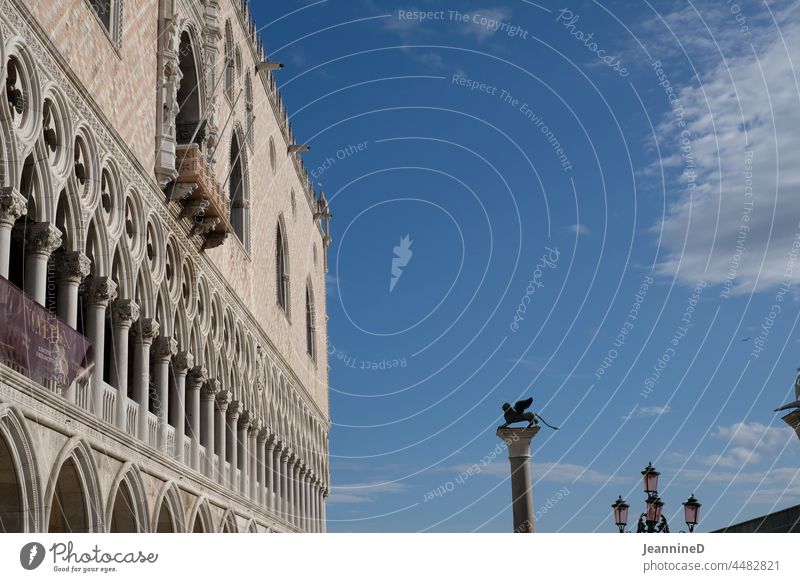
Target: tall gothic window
(236, 189)
(282, 274)
(230, 66)
(310, 324)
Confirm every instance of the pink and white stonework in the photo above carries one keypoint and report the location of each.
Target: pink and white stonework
(152, 203)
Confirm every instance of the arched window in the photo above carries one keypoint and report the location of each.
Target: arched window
(230, 72)
(187, 123)
(236, 189)
(311, 333)
(282, 274)
(250, 116)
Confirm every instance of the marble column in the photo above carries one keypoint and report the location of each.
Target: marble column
(243, 454)
(518, 442)
(315, 505)
(12, 207)
(285, 480)
(41, 239)
(277, 478)
(71, 269)
(269, 472)
(263, 436)
(208, 406)
(255, 452)
(322, 511)
(181, 364)
(305, 514)
(296, 502)
(145, 331)
(100, 292)
(123, 313)
(224, 400)
(231, 440)
(161, 354)
(195, 379)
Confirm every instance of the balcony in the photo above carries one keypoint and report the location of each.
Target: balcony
(204, 201)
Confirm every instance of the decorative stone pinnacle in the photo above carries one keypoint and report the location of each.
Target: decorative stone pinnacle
(72, 267)
(124, 312)
(42, 238)
(101, 291)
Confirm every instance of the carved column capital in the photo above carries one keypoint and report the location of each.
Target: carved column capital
(145, 331)
(12, 205)
(196, 377)
(234, 410)
(164, 349)
(224, 400)
(211, 389)
(41, 238)
(72, 267)
(101, 291)
(302, 469)
(246, 420)
(124, 312)
(265, 436)
(182, 362)
(284, 450)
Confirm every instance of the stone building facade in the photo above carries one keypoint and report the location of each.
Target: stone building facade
(157, 221)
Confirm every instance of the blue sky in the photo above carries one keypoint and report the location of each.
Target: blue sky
(602, 206)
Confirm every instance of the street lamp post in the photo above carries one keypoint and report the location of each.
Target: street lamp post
(653, 520)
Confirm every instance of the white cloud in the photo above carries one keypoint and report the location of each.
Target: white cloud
(647, 411)
(749, 443)
(363, 492)
(579, 229)
(701, 229)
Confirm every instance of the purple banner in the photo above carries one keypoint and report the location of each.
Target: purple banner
(38, 344)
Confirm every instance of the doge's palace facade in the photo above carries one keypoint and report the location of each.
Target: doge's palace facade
(162, 276)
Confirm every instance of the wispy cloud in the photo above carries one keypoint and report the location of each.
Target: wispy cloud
(579, 229)
(748, 443)
(558, 472)
(735, 213)
(647, 411)
(364, 492)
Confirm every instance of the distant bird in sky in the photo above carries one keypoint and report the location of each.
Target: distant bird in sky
(747, 339)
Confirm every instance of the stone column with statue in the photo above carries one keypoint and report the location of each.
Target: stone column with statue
(518, 442)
